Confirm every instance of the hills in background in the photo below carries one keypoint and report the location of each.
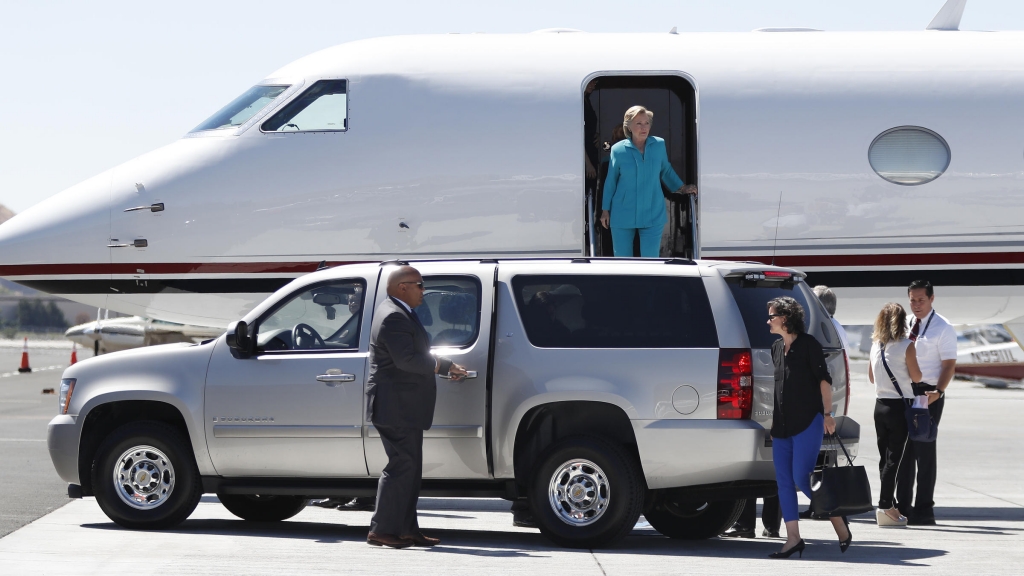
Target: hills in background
(5, 213)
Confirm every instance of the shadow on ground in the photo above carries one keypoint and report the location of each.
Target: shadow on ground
(523, 544)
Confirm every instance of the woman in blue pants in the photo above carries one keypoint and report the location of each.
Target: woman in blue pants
(803, 388)
(632, 201)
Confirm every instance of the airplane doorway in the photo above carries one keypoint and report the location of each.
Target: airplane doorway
(673, 101)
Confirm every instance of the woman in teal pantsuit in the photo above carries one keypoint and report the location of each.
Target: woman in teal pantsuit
(633, 201)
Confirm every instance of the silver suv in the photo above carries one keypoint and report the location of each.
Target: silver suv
(600, 390)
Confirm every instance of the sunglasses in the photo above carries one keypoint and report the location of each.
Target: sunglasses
(418, 284)
(775, 315)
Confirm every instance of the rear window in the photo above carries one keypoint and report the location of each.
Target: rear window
(752, 297)
(569, 311)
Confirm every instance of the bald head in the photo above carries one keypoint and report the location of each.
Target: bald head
(405, 284)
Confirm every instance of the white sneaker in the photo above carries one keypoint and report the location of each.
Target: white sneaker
(885, 521)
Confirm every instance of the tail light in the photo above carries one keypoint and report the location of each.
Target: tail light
(735, 384)
(849, 385)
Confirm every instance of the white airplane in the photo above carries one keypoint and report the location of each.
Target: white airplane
(867, 159)
(990, 355)
(105, 335)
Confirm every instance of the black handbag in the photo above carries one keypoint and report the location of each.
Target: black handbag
(921, 427)
(840, 490)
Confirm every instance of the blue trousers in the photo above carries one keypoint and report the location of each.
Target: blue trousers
(794, 461)
(650, 241)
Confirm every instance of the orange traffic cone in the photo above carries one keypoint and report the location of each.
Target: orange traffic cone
(24, 358)
(74, 353)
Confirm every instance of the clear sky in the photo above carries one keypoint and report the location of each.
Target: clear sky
(88, 85)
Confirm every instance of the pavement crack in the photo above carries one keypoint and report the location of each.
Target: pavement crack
(598, 562)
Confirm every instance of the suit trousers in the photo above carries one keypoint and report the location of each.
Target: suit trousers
(891, 430)
(650, 241)
(920, 456)
(399, 487)
(771, 515)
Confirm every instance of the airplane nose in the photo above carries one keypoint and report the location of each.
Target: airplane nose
(60, 241)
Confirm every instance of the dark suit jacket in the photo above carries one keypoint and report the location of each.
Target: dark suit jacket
(401, 388)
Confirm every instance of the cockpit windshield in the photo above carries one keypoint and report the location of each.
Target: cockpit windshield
(242, 108)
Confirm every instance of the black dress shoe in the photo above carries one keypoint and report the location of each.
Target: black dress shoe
(390, 540)
(738, 532)
(917, 519)
(523, 518)
(770, 533)
(365, 504)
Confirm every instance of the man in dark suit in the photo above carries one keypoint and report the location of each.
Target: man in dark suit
(401, 396)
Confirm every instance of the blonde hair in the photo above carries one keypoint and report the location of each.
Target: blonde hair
(633, 113)
(891, 324)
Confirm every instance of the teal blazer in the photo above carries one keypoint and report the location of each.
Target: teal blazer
(632, 190)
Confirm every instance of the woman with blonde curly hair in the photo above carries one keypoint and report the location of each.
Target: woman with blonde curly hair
(893, 350)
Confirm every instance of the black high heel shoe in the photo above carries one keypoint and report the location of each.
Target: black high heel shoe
(844, 544)
(798, 548)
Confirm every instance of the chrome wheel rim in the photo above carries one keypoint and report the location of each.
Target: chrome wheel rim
(579, 492)
(143, 477)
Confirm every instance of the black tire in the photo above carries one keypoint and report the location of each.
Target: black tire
(625, 494)
(256, 508)
(686, 520)
(176, 493)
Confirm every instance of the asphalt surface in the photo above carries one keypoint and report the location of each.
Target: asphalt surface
(980, 510)
(29, 487)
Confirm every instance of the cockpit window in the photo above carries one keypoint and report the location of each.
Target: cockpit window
(324, 107)
(242, 108)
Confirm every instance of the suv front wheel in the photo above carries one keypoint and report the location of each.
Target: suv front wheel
(586, 493)
(145, 477)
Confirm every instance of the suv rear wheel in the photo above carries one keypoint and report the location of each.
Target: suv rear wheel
(689, 520)
(256, 508)
(145, 477)
(586, 493)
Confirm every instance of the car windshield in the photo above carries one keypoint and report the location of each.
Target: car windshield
(242, 108)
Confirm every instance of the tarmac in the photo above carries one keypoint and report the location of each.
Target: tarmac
(980, 511)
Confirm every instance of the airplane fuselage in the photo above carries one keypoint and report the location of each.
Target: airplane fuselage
(472, 145)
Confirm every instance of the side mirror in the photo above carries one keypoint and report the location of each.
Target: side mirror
(238, 338)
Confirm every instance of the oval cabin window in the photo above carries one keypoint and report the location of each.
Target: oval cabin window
(909, 155)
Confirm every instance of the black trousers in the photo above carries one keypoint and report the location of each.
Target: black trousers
(891, 430)
(920, 458)
(399, 487)
(771, 515)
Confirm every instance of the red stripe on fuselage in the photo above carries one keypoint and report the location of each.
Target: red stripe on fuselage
(792, 261)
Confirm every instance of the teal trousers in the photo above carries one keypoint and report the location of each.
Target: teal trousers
(650, 241)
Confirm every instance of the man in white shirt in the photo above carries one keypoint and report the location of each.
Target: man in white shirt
(935, 341)
(829, 300)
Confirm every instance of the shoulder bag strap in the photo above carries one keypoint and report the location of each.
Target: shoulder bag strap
(849, 461)
(891, 377)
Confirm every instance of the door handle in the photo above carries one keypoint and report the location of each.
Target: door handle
(139, 243)
(158, 207)
(334, 379)
(470, 374)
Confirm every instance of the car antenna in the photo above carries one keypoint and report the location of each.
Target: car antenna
(322, 265)
(778, 216)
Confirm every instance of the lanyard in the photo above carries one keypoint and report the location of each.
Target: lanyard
(927, 324)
